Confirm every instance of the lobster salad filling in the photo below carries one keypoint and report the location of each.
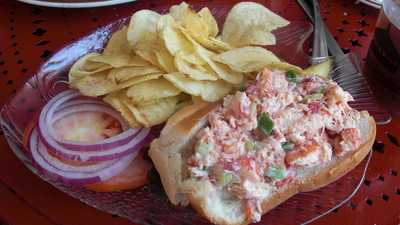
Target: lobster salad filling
(261, 135)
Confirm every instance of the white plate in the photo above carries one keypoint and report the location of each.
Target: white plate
(373, 3)
(83, 4)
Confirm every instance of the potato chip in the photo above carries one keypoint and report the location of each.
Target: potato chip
(115, 61)
(206, 15)
(193, 58)
(114, 99)
(150, 90)
(189, 19)
(173, 39)
(96, 85)
(126, 73)
(84, 67)
(117, 52)
(262, 38)
(183, 99)
(144, 103)
(149, 56)
(118, 61)
(207, 42)
(153, 114)
(136, 60)
(118, 43)
(206, 55)
(90, 67)
(247, 59)
(285, 67)
(142, 30)
(208, 90)
(223, 71)
(213, 44)
(165, 60)
(179, 11)
(188, 36)
(136, 80)
(160, 63)
(250, 23)
(196, 72)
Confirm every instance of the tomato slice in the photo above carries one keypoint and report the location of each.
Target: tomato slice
(134, 176)
(85, 127)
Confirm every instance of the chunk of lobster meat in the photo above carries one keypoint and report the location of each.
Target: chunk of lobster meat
(309, 155)
(348, 140)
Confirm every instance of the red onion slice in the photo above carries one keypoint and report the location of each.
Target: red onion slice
(78, 101)
(111, 155)
(69, 102)
(135, 144)
(77, 177)
(55, 162)
(45, 119)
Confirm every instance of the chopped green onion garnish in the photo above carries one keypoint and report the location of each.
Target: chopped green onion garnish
(225, 178)
(250, 145)
(287, 146)
(291, 73)
(275, 173)
(265, 124)
(291, 76)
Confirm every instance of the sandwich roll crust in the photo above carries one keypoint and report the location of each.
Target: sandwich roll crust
(177, 137)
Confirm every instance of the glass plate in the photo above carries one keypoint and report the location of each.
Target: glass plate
(149, 204)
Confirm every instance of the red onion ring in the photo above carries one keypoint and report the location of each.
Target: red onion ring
(77, 177)
(111, 155)
(79, 101)
(55, 162)
(135, 144)
(71, 95)
(69, 102)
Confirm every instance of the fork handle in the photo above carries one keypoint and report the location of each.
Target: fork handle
(320, 49)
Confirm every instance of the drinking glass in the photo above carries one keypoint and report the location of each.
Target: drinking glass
(382, 67)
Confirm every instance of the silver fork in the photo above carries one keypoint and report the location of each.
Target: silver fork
(320, 48)
(345, 67)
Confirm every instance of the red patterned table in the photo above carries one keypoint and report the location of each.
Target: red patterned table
(28, 35)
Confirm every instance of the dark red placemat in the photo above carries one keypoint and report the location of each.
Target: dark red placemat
(28, 35)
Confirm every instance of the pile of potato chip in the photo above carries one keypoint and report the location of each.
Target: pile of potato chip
(159, 63)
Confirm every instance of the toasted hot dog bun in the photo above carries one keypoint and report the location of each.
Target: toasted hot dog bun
(170, 151)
